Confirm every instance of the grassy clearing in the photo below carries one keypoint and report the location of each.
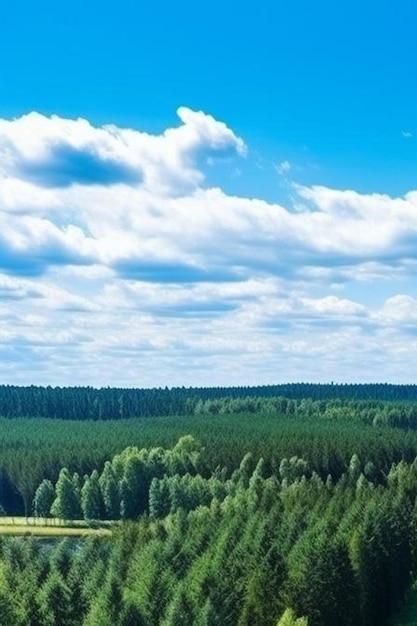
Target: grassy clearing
(31, 526)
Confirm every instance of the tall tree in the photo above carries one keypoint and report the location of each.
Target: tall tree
(66, 504)
(110, 492)
(44, 497)
(54, 601)
(91, 500)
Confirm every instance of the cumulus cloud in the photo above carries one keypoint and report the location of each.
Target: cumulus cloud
(398, 310)
(116, 255)
(165, 225)
(56, 152)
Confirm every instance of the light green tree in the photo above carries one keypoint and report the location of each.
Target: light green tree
(91, 501)
(44, 497)
(289, 619)
(54, 601)
(66, 504)
(110, 492)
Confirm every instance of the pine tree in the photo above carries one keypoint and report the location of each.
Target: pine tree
(99, 615)
(91, 501)
(134, 488)
(182, 610)
(44, 497)
(66, 504)
(159, 497)
(11, 613)
(61, 557)
(289, 619)
(110, 492)
(54, 601)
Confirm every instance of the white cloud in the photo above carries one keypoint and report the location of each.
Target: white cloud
(116, 256)
(55, 152)
(397, 310)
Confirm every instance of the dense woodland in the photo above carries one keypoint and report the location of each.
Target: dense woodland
(78, 403)
(246, 510)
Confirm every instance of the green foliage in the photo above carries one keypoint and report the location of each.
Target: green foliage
(110, 492)
(44, 497)
(271, 511)
(334, 554)
(91, 498)
(289, 619)
(323, 434)
(66, 504)
(134, 488)
(54, 601)
(11, 610)
(159, 497)
(76, 403)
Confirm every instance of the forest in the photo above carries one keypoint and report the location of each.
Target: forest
(240, 507)
(78, 403)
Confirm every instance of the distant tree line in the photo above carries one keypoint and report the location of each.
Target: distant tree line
(79, 403)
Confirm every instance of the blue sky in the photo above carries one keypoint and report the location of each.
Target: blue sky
(209, 193)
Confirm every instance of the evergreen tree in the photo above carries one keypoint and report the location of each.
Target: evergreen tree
(159, 497)
(99, 615)
(61, 557)
(110, 492)
(91, 500)
(134, 488)
(207, 616)
(11, 612)
(66, 504)
(289, 619)
(44, 497)
(181, 610)
(54, 600)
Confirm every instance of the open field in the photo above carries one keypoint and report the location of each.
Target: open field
(31, 526)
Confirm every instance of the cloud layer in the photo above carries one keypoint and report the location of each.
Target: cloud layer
(120, 265)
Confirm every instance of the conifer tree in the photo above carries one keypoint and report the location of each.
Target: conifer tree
(289, 619)
(11, 612)
(54, 600)
(110, 492)
(134, 488)
(91, 501)
(159, 497)
(66, 504)
(182, 610)
(44, 497)
(61, 557)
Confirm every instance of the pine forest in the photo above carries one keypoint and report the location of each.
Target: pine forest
(287, 505)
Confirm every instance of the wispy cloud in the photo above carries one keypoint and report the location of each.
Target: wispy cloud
(283, 168)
